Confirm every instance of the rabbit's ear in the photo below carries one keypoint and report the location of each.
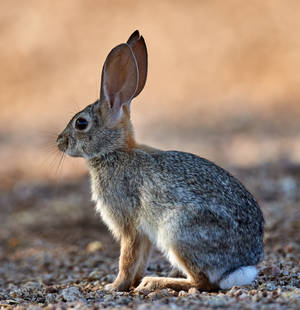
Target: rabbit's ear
(119, 81)
(138, 46)
(134, 37)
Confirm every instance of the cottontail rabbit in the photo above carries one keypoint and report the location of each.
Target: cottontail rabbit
(202, 218)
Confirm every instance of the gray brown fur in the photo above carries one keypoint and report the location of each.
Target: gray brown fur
(199, 215)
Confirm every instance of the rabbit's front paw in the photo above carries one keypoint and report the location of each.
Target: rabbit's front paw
(117, 286)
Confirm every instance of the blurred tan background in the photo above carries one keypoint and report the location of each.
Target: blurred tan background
(223, 82)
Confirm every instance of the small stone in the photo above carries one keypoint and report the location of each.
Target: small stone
(238, 293)
(173, 292)
(51, 289)
(94, 275)
(13, 242)
(109, 278)
(253, 292)
(232, 291)
(243, 296)
(182, 294)
(289, 248)
(288, 186)
(256, 298)
(153, 295)
(275, 294)
(271, 271)
(50, 298)
(14, 294)
(264, 293)
(32, 285)
(193, 291)
(94, 246)
(165, 292)
(159, 294)
(108, 298)
(143, 292)
(71, 294)
(11, 301)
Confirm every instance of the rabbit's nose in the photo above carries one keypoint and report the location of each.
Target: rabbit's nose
(62, 142)
(59, 137)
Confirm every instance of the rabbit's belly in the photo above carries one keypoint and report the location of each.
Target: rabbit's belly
(148, 229)
(161, 239)
(155, 234)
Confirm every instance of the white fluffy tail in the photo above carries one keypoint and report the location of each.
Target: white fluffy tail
(241, 276)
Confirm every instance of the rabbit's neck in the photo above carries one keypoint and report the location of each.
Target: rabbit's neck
(106, 173)
(111, 160)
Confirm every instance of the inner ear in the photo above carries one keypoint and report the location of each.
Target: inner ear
(139, 49)
(119, 78)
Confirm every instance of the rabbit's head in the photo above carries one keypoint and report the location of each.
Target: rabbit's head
(105, 125)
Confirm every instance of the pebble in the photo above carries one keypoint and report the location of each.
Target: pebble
(94, 246)
(51, 289)
(182, 294)
(50, 298)
(109, 278)
(71, 294)
(160, 294)
(243, 296)
(193, 291)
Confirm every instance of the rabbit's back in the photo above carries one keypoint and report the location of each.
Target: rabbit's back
(178, 177)
(190, 199)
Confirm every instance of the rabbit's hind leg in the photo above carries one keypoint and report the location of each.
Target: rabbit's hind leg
(194, 279)
(177, 284)
(153, 283)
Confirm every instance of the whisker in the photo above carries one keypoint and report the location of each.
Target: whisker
(48, 133)
(50, 153)
(51, 158)
(48, 142)
(50, 148)
(59, 164)
(58, 172)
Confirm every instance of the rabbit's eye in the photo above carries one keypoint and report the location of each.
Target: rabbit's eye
(81, 123)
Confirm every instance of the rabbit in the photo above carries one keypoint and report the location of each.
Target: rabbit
(201, 217)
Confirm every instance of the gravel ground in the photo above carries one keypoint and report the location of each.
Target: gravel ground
(56, 254)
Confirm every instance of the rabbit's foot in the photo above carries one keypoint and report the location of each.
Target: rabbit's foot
(119, 286)
(153, 283)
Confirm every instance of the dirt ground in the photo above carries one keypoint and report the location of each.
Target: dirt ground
(56, 254)
(223, 83)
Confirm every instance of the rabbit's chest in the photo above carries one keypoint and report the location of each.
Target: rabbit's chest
(113, 208)
(109, 217)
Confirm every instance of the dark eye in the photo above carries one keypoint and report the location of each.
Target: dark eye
(81, 123)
